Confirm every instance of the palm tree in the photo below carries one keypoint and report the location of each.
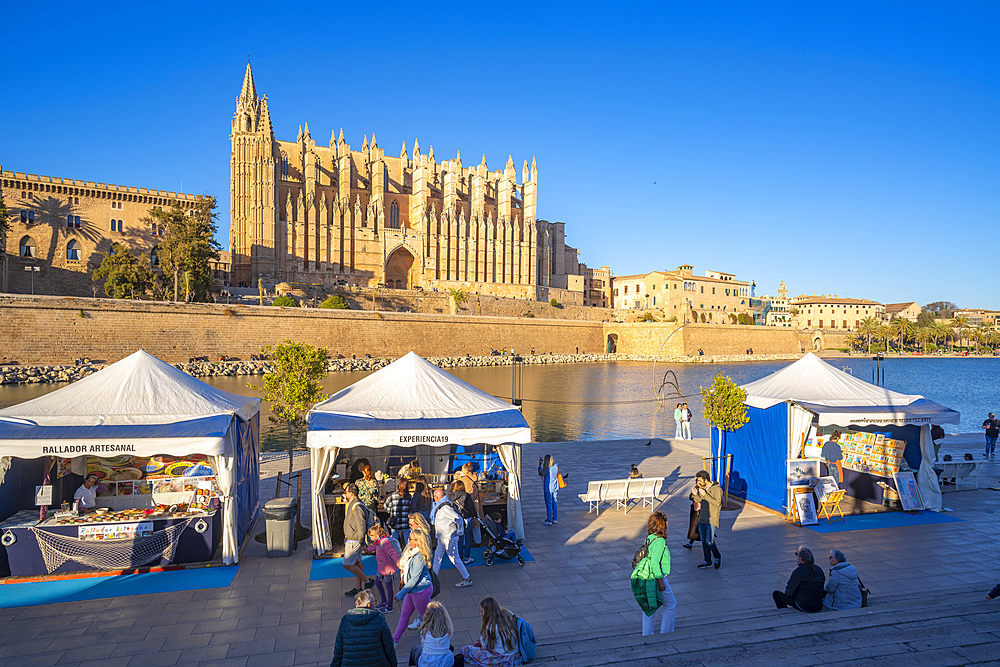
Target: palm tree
(884, 333)
(961, 326)
(868, 327)
(922, 335)
(902, 330)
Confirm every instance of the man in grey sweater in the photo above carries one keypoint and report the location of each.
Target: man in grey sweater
(355, 529)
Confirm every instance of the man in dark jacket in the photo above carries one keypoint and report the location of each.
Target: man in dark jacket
(363, 639)
(805, 587)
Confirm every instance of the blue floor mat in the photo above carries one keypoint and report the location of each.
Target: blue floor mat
(333, 568)
(882, 520)
(93, 588)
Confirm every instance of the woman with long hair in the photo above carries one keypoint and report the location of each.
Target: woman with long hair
(498, 640)
(422, 500)
(434, 649)
(649, 579)
(548, 470)
(415, 577)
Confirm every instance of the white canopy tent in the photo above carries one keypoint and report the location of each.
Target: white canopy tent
(412, 403)
(144, 407)
(816, 391)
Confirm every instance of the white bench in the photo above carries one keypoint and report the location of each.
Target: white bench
(960, 471)
(643, 490)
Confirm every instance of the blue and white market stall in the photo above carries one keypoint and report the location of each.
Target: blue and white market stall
(811, 396)
(411, 408)
(177, 458)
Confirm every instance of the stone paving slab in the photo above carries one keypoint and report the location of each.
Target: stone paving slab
(272, 614)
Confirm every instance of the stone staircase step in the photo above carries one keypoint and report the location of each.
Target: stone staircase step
(949, 628)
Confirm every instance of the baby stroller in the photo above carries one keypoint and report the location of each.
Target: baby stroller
(500, 546)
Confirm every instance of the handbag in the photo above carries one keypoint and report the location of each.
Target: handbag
(562, 482)
(864, 593)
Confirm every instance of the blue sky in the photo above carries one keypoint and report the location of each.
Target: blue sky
(848, 148)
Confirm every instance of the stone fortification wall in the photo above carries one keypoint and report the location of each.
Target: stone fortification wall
(59, 330)
(736, 339)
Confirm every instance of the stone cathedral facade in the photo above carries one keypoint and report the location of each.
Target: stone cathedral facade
(331, 215)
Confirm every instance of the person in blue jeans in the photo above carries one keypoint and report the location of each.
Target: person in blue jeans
(548, 470)
(708, 495)
(992, 427)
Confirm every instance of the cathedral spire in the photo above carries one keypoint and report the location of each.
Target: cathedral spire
(249, 92)
(402, 153)
(364, 146)
(306, 134)
(340, 141)
(534, 170)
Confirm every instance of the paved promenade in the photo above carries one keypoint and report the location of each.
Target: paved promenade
(927, 586)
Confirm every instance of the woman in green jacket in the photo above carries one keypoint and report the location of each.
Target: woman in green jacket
(649, 579)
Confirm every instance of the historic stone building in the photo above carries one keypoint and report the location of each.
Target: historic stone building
(833, 312)
(303, 212)
(60, 227)
(716, 297)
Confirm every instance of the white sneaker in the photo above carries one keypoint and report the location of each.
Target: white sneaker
(547, 523)
(415, 624)
(463, 583)
(468, 561)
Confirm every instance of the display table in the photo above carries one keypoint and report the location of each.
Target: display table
(51, 547)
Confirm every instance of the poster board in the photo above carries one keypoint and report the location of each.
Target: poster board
(909, 493)
(826, 486)
(802, 471)
(805, 505)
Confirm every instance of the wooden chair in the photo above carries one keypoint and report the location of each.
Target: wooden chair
(831, 506)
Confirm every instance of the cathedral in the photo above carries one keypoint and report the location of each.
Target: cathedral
(331, 215)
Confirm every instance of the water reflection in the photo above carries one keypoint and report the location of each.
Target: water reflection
(606, 401)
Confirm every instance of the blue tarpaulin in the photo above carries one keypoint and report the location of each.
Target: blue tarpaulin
(759, 452)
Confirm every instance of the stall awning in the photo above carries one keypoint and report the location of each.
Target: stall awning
(198, 436)
(140, 389)
(919, 412)
(409, 403)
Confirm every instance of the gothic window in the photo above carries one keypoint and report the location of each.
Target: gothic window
(394, 215)
(154, 229)
(27, 247)
(73, 251)
(319, 171)
(284, 165)
(154, 256)
(247, 123)
(76, 221)
(69, 221)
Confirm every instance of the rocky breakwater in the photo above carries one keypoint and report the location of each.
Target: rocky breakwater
(36, 374)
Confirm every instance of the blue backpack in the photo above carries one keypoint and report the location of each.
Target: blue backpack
(526, 640)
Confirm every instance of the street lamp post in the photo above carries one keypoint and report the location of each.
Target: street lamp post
(33, 270)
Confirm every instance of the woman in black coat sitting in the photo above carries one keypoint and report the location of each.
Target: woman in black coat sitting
(805, 587)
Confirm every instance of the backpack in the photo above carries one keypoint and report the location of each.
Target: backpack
(640, 555)
(395, 545)
(370, 520)
(526, 640)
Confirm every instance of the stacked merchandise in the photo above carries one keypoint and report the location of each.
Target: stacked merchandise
(871, 452)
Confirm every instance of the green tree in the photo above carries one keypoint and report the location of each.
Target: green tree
(646, 317)
(291, 386)
(458, 296)
(286, 301)
(725, 409)
(336, 302)
(961, 326)
(941, 309)
(187, 244)
(125, 276)
(868, 329)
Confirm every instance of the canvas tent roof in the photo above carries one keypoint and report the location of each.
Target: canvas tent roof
(140, 399)
(842, 399)
(413, 395)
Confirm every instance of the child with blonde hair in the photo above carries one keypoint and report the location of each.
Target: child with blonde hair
(434, 649)
(386, 557)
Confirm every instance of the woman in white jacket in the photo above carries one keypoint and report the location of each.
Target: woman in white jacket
(843, 590)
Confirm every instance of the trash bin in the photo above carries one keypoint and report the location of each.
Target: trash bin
(279, 516)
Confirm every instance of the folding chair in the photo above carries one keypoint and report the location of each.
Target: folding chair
(831, 506)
